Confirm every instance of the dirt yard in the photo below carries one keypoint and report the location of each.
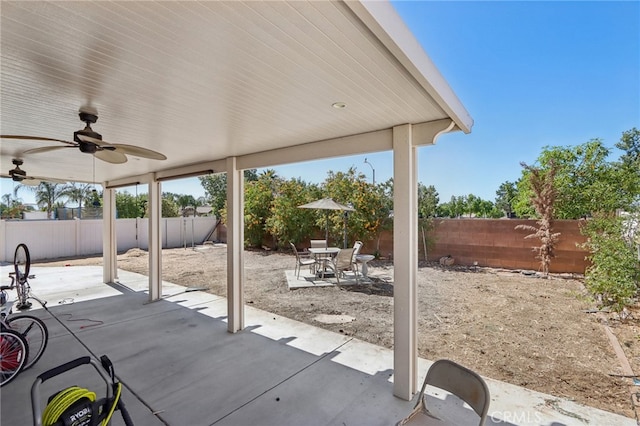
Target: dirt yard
(507, 325)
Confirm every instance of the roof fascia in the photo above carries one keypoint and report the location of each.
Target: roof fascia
(380, 140)
(364, 143)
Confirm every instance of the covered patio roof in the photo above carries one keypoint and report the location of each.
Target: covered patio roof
(204, 81)
(223, 87)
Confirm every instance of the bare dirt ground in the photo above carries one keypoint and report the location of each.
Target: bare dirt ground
(525, 330)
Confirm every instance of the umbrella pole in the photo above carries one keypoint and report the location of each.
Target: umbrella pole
(326, 230)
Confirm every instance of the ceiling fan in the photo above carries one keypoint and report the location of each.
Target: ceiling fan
(19, 175)
(91, 142)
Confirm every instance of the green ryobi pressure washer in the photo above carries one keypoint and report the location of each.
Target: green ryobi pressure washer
(76, 406)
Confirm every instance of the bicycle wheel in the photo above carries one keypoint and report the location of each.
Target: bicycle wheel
(22, 261)
(13, 355)
(34, 331)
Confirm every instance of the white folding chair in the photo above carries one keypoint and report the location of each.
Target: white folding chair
(457, 380)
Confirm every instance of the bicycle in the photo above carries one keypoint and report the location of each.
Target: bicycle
(20, 278)
(31, 329)
(14, 352)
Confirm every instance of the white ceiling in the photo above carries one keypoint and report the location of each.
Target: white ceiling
(203, 81)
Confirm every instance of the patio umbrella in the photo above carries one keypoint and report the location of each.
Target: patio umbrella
(326, 204)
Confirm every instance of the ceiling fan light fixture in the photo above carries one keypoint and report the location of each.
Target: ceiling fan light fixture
(17, 174)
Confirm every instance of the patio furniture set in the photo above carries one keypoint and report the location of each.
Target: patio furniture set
(323, 260)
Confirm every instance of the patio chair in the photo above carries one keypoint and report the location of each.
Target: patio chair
(318, 243)
(303, 260)
(457, 380)
(344, 261)
(356, 248)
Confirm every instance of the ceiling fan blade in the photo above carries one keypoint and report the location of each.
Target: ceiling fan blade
(46, 149)
(30, 181)
(136, 151)
(45, 179)
(111, 156)
(35, 138)
(89, 139)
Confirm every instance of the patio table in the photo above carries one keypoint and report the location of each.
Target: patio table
(322, 255)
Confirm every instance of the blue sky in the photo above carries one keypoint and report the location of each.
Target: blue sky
(531, 74)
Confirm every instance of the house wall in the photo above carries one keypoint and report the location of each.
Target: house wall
(51, 239)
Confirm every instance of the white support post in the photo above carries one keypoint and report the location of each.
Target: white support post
(109, 242)
(405, 262)
(154, 206)
(235, 246)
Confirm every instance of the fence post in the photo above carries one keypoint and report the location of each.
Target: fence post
(78, 231)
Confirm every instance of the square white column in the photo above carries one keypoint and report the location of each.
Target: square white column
(405, 262)
(235, 246)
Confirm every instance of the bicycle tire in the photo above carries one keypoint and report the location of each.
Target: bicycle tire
(34, 331)
(22, 262)
(14, 352)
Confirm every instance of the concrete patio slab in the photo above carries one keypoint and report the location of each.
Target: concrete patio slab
(180, 366)
(308, 279)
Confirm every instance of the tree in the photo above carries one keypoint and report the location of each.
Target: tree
(370, 203)
(215, 187)
(427, 201)
(455, 207)
(505, 197)
(488, 209)
(473, 205)
(542, 184)
(258, 198)
(169, 207)
(630, 144)
(614, 272)
(585, 182)
(11, 207)
(47, 194)
(184, 201)
(128, 206)
(96, 198)
(629, 162)
(78, 192)
(286, 222)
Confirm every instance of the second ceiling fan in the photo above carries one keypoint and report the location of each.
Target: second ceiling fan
(91, 142)
(18, 175)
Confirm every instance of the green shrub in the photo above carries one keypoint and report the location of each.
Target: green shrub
(614, 274)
